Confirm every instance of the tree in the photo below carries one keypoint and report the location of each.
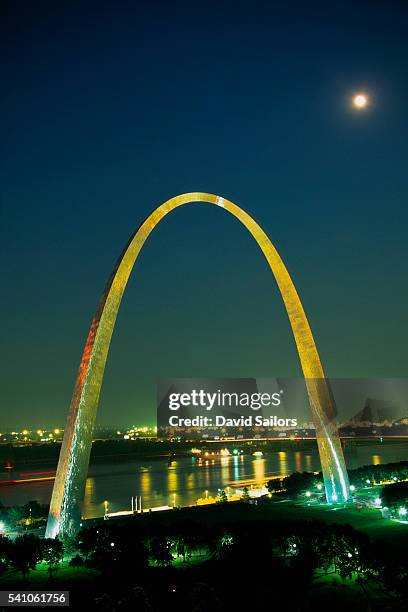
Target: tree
(395, 494)
(76, 561)
(245, 496)
(274, 485)
(222, 497)
(70, 547)
(222, 546)
(135, 599)
(87, 541)
(130, 551)
(52, 553)
(159, 551)
(15, 514)
(4, 558)
(179, 545)
(33, 509)
(299, 482)
(24, 553)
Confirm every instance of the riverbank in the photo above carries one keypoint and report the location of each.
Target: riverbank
(36, 454)
(183, 480)
(370, 521)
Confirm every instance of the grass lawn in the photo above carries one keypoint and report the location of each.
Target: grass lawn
(336, 593)
(370, 521)
(191, 561)
(40, 576)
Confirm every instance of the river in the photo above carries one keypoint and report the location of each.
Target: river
(187, 479)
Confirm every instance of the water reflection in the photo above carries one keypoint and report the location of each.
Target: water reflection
(283, 463)
(259, 471)
(236, 467)
(298, 461)
(157, 482)
(225, 468)
(145, 482)
(89, 497)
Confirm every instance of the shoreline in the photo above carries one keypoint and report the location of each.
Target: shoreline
(122, 451)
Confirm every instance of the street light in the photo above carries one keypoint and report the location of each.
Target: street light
(105, 503)
(402, 511)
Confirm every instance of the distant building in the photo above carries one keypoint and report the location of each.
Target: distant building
(376, 411)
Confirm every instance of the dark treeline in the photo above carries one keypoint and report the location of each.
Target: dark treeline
(24, 517)
(379, 473)
(194, 566)
(36, 452)
(395, 494)
(101, 449)
(25, 552)
(362, 476)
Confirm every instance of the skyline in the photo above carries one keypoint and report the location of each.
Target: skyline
(265, 120)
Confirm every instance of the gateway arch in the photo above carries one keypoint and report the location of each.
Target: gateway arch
(69, 485)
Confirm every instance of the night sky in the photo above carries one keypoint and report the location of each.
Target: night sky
(110, 108)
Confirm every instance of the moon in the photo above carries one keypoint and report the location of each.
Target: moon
(360, 101)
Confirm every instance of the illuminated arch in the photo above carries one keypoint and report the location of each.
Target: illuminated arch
(73, 463)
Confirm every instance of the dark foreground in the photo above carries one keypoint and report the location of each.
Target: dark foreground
(232, 556)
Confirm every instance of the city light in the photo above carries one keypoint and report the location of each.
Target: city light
(378, 501)
(352, 488)
(402, 511)
(308, 494)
